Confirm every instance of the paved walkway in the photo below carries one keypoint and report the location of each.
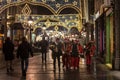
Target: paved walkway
(39, 71)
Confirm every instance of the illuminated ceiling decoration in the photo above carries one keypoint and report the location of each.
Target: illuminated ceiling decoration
(44, 1)
(54, 4)
(26, 10)
(66, 20)
(66, 0)
(8, 1)
(57, 5)
(75, 3)
(48, 23)
(56, 28)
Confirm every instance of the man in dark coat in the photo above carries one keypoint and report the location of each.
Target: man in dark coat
(8, 48)
(24, 50)
(44, 45)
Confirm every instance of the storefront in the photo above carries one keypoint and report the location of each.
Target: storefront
(100, 36)
(109, 37)
(105, 37)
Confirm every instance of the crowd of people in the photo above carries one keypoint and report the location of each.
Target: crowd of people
(70, 51)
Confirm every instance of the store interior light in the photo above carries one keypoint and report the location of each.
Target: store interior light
(44, 28)
(30, 20)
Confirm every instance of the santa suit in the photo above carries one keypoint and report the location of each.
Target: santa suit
(89, 53)
(80, 49)
(74, 56)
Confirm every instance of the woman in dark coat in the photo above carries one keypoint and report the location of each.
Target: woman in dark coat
(8, 48)
(24, 51)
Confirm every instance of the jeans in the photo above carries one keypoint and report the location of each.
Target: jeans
(24, 65)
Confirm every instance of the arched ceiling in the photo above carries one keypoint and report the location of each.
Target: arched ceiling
(54, 5)
(68, 11)
(40, 10)
(44, 7)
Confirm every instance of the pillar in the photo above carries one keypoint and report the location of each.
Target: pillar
(116, 56)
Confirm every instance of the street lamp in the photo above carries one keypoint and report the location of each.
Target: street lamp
(30, 21)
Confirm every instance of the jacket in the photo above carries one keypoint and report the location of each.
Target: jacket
(8, 49)
(24, 50)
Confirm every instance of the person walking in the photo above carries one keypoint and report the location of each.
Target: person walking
(44, 45)
(8, 49)
(81, 54)
(66, 57)
(23, 51)
(89, 53)
(57, 52)
(74, 55)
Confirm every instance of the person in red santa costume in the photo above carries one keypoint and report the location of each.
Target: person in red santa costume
(66, 56)
(74, 55)
(80, 50)
(90, 51)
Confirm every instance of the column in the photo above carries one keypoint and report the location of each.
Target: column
(116, 56)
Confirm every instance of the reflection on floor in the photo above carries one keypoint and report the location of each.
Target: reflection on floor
(39, 71)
